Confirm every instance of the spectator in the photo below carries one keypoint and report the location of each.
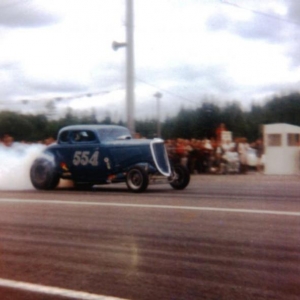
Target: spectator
(49, 141)
(259, 153)
(219, 132)
(7, 140)
(243, 147)
(171, 150)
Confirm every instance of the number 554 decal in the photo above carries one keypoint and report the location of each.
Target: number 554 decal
(85, 158)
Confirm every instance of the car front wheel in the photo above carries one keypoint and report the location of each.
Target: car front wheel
(137, 179)
(180, 177)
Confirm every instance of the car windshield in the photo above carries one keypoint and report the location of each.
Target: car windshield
(111, 134)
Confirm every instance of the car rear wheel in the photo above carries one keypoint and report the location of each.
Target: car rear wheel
(43, 175)
(180, 177)
(137, 179)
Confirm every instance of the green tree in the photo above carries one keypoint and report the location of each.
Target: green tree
(207, 118)
(146, 128)
(234, 119)
(15, 125)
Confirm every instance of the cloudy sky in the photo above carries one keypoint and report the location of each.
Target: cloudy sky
(189, 51)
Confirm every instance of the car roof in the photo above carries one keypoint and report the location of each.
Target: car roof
(91, 127)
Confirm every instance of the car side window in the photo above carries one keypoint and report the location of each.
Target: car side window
(64, 137)
(83, 136)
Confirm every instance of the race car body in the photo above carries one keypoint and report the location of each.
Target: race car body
(100, 154)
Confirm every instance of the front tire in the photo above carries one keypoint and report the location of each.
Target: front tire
(43, 175)
(137, 179)
(180, 177)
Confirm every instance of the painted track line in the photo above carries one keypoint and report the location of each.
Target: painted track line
(151, 206)
(52, 291)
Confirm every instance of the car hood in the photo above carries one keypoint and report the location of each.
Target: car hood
(134, 142)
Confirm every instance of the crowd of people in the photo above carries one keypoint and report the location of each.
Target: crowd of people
(215, 157)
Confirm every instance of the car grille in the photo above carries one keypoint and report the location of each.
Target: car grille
(160, 157)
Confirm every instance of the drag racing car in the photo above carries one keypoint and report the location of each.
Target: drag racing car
(100, 154)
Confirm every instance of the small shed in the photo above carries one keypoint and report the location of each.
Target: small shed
(282, 150)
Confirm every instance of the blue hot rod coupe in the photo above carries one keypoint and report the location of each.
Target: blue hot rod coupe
(100, 154)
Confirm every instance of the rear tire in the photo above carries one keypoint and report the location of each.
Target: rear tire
(180, 177)
(137, 179)
(43, 175)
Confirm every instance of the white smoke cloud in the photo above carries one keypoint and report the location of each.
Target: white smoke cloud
(15, 165)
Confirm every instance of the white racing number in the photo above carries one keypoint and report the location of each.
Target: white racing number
(85, 158)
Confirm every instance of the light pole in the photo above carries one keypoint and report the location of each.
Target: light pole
(158, 96)
(129, 65)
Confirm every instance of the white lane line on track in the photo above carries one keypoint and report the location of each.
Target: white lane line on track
(196, 208)
(52, 291)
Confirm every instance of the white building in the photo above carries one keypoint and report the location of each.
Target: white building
(282, 149)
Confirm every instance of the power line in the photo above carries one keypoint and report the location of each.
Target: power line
(167, 92)
(72, 97)
(260, 13)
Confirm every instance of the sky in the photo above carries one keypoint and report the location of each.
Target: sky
(60, 52)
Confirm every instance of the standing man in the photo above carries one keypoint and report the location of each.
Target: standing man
(243, 147)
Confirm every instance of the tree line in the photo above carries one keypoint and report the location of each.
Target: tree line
(196, 123)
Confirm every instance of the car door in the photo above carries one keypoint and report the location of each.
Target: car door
(86, 163)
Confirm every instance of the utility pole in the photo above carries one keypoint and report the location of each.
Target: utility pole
(158, 95)
(130, 66)
(129, 44)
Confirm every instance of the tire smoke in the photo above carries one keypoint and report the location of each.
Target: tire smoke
(15, 165)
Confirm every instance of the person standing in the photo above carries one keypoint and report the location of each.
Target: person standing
(259, 153)
(243, 147)
(219, 132)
